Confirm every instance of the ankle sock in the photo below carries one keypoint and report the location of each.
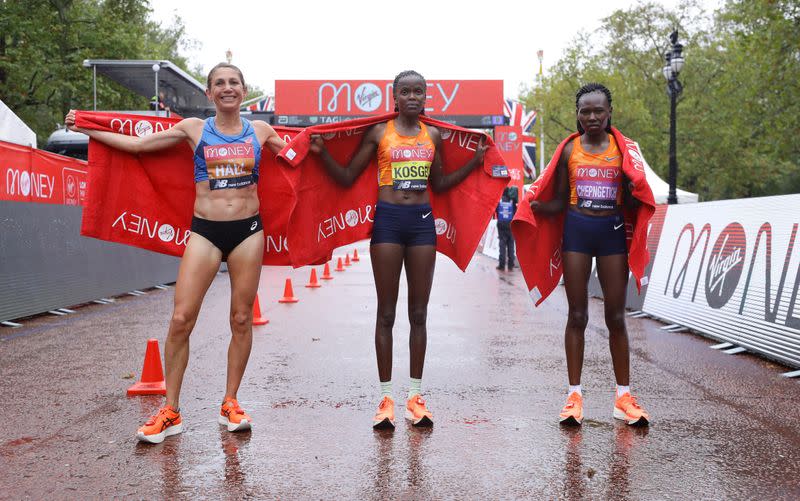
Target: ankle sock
(415, 387)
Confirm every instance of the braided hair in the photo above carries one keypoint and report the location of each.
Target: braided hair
(403, 74)
(588, 89)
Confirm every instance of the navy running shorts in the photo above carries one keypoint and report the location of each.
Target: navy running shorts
(226, 235)
(407, 225)
(594, 235)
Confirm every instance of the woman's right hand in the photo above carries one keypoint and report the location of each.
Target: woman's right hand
(69, 121)
(317, 144)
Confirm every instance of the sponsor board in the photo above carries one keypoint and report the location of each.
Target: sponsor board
(31, 175)
(731, 270)
(322, 98)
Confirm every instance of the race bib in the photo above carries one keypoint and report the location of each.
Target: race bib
(411, 166)
(230, 165)
(597, 187)
(505, 212)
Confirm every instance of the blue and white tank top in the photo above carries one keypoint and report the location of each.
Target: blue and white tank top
(227, 161)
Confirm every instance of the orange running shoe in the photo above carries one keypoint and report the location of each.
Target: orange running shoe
(233, 416)
(384, 416)
(417, 413)
(626, 409)
(166, 422)
(572, 413)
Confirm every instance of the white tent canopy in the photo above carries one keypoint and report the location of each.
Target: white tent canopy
(661, 188)
(14, 130)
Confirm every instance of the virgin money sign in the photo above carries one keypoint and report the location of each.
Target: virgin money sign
(509, 141)
(31, 175)
(731, 269)
(372, 97)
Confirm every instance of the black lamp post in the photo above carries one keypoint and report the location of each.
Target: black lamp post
(672, 68)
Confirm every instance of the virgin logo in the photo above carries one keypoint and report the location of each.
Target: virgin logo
(725, 266)
(368, 97)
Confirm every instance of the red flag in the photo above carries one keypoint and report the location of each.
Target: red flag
(327, 215)
(147, 200)
(538, 236)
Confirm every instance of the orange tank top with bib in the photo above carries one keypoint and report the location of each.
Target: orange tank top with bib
(404, 162)
(595, 179)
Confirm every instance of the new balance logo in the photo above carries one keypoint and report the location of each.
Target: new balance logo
(222, 183)
(426, 215)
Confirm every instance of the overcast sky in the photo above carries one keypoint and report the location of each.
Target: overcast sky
(376, 39)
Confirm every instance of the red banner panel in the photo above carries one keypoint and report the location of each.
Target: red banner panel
(31, 175)
(509, 141)
(15, 172)
(372, 97)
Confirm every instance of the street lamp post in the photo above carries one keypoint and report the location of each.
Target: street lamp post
(156, 69)
(540, 55)
(672, 68)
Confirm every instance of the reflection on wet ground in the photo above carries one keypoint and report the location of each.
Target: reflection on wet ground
(494, 379)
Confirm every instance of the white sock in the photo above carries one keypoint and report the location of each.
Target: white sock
(574, 389)
(386, 388)
(415, 388)
(621, 390)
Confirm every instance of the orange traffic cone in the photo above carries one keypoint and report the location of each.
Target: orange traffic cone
(355, 255)
(326, 273)
(347, 260)
(312, 281)
(152, 380)
(339, 266)
(288, 293)
(257, 318)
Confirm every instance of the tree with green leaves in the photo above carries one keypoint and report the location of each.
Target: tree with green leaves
(44, 42)
(738, 114)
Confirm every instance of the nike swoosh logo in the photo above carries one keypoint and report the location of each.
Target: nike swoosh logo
(618, 226)
(426, 215)
(610, 159)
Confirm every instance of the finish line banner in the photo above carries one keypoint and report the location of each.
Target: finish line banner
(731, 269)
(311, 102)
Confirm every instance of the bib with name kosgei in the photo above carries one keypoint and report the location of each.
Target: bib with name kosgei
(411, 166)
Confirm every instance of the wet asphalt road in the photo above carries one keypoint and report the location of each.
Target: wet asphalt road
(724, 427)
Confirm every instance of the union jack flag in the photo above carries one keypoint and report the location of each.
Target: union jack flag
(266, 104)
(518, 116)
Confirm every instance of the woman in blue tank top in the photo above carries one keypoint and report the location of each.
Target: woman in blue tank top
(226, 227)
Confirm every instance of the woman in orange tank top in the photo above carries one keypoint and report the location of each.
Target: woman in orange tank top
(592, 189)
(403, 233)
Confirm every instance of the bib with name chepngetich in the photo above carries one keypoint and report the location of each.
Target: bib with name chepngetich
(404, 162)
(595, 179)
(227, 161)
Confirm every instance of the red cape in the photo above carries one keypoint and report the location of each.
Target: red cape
(327, 215)
(147, 200)
(538, 236)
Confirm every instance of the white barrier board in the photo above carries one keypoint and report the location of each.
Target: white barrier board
(731, 269)
(491, 243)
